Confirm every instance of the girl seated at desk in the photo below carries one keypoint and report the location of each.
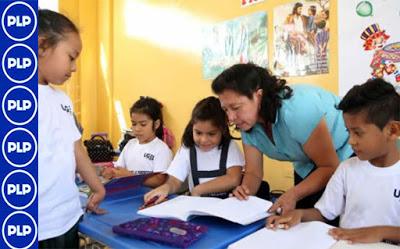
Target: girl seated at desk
(146, 153)
(208, 156)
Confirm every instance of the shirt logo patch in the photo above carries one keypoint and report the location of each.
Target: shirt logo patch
(66, 108)
(149, 156)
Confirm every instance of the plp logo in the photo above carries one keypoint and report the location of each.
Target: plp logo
(19, 147)
(19, 21)
(19, 63)
(19, 230)
(19, 105)
(19, 189)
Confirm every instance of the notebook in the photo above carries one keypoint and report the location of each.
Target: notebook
(172, 232)
(345, 245)
(310, 235)
(243, 212)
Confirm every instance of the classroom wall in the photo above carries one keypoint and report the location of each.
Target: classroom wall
(136, 48)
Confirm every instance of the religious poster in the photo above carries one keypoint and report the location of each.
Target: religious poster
(370, 46)
(301, 36)
(240, 40)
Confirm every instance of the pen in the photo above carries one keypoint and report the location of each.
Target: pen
(149, 203)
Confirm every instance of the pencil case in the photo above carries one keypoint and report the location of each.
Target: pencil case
(167, 231)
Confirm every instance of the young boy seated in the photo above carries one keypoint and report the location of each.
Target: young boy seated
(365, 190)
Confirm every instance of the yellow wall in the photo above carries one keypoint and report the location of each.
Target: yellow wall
(121, 62)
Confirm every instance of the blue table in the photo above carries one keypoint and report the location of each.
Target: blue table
(122, 207)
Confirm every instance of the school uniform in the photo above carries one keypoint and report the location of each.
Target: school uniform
(58, 195)
(180, 167)
(154, 156)
(362, 195)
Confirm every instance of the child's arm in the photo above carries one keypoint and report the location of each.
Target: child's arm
(155, 180)
(293, 218)
(86, 170)
(121, 172)
(171, 186)
(366, 234)
(220, 184)
(253, 173)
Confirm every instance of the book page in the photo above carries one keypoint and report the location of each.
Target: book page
(310, 235)
(344, 245)
(243, 212)
(180, 207)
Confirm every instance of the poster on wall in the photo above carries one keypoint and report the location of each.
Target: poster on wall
(240, 40)
(301, 36)
(370, 46)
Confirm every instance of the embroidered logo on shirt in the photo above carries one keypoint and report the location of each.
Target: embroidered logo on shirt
(149, 156)
(66, 108)
(396, 193)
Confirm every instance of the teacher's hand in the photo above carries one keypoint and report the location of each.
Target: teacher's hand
(285, 203)
(241, 192)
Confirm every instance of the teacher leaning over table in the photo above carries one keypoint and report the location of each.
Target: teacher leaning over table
(299, 124)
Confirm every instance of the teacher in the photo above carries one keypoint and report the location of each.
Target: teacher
(299, 124)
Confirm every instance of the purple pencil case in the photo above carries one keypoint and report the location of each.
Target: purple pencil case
(167, 231)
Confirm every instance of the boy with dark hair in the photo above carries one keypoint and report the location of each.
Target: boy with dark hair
(365, 190)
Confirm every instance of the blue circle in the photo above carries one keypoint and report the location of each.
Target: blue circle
(19, 21)
(19, 230)
(19, 189)
(19, 105)
(19, 63)
(19, 147)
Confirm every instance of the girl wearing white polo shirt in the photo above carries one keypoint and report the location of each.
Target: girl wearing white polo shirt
(61, 153)
(146, 153)
(209, 157)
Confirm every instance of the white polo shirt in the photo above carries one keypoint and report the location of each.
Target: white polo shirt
(154, 156)
(362, 195)
(59, 206)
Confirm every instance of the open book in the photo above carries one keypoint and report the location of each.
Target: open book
(310, 235)
(182, 207)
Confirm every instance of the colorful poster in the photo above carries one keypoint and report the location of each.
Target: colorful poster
(243, 39)
(301, 36)
(370, 46)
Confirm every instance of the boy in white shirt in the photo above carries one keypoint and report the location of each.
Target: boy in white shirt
(365, 190)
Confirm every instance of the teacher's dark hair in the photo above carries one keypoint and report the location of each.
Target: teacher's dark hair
(246, 79)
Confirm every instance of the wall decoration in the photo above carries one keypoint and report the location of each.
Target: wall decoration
(242, 40)
(370, 46)
(301, 36)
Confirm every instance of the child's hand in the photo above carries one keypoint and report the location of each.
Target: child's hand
(357, 235)
(161, 193)
(286, 221)
(194, 192)
(241, 192)
(94, 202)
(285, 203)
(108, 173)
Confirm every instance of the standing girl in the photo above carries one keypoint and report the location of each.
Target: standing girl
(146, 153)
(61, 153)
(208, 156)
